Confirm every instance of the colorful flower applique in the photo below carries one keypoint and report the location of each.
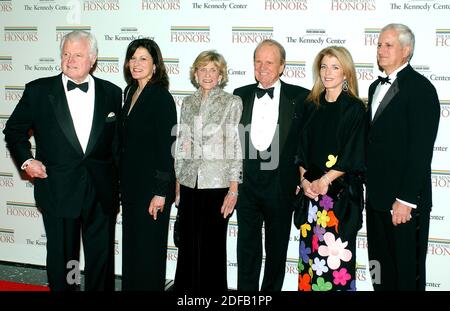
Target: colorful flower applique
(319, 266)
(326, 202)
(334, 222)
(322, 218)
(310, 270)
(321, 285)
(352, 286)
(312, 213)
(300, 266)
(304, 282)
(341, 277)
(319, 232)
(304, 252)
(304, 229)
(331, 161)
(315, 243)
(335, 250)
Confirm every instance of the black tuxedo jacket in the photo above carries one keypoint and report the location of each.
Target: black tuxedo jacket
(44, 110)
(290, 118)
(400, 142)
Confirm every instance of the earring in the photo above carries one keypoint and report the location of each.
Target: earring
(345, 86)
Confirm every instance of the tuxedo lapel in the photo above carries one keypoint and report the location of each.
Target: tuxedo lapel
(286, 112)
(98, 120)
(248, 101)
(58, 100)
(393, 90)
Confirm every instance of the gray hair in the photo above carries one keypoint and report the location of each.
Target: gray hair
(405, 36)
(77, 35)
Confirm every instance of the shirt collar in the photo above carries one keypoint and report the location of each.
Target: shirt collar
(276, 85)
(393, 74)
(65, 78)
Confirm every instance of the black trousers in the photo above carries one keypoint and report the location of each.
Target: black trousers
(202, 255)
(63, 248)
(258, 205)
(397, 254)
(144, 247)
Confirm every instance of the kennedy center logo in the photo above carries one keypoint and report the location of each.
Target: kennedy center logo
(190, 34)
(160, 5)
(21, 34)
(445, 109)
(22, 209)
(353, 5)
(6, 63)
(107, 65)
(13, 93)
(286, 5)
(295, 70)
(7, 236)
(6, 180)
(172, 66)
(5, 6)
(250, 34)
(364, 71)
(440, 179)
(442, 37)
(101, 5)
(438, 247)
(371, 36)
(179, 95)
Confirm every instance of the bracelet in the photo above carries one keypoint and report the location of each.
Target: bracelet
(233, 193)
(328, 179)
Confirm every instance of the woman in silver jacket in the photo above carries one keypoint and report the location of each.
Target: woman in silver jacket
(208, 166)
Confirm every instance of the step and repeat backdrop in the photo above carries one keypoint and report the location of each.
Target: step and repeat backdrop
(30, 32)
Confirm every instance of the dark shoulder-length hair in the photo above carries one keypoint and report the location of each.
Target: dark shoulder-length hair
(160, 75)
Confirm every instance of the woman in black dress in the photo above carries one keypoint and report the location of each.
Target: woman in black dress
(331, 160)
(147, 176)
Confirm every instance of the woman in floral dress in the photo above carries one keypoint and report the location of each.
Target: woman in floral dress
(332, 142)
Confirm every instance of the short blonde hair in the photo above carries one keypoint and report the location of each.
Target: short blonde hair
(203, 59)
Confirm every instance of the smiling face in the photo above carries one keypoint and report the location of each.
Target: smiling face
(390, 53)
(76, 60)
(208, 77)
(141, 65)
(267, 65)
(332, 74)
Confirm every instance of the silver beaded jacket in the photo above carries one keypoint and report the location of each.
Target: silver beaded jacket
(208, 148)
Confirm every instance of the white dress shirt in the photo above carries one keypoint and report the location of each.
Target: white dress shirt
(265, 118)
(382, 89)
(81, 106)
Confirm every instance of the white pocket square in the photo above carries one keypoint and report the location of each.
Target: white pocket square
(111, 114)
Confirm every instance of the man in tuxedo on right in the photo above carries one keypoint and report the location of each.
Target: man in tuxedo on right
(404, 115)
(272, 112)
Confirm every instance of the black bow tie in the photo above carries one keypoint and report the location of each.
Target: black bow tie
(384, 80)
(260, 92)
(82, 86)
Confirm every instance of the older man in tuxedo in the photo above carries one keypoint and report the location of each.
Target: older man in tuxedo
(72, 117)
(404, 116)
(272, 112)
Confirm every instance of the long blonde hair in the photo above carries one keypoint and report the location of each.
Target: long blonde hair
(346, 60)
